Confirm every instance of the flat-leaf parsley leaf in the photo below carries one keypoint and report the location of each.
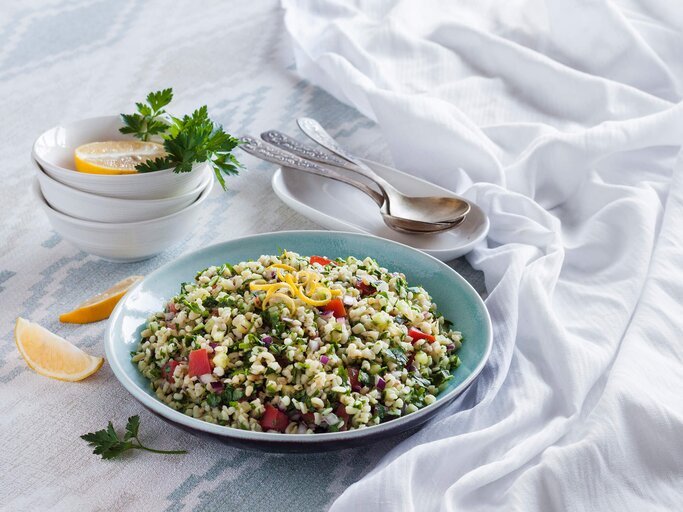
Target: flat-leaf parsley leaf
(188, 140)
(108, 444)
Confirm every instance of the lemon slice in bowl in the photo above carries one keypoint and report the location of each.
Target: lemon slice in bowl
(101, 305)
(115, 157)
(51, 355)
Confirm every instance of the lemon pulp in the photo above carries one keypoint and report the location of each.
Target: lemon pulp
(115, 157)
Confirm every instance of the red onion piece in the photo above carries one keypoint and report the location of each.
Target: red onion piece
(380, 383)
(450, 346)
(213, 345)
(365, 288)
(324, 359)
(217, 387)
(267, 340)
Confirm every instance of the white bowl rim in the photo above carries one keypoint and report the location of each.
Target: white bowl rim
(110, 226)
(178, 417)
(123, 200)
(39, 159)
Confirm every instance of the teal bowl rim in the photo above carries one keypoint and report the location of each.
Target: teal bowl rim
(182, 419)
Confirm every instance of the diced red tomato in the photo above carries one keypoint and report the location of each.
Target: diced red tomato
(353, 379)
(199, 362)
(168, 369)
(419, 335)
(365, 288)
(309, 418)
(341, 412)
(321, 260)
(274, 419)
(337, 308)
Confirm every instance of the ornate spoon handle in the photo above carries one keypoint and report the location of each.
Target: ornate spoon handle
(314, 130)
(273, 154)
(284, 141)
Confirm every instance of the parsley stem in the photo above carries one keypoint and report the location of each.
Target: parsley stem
(170, 452)
(141, 446)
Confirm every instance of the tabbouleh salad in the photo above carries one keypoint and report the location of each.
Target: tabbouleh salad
(298, 344)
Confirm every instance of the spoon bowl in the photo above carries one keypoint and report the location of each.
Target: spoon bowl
(436, 210)
(408, 226)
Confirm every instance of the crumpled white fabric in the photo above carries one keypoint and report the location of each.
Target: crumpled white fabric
(564, 121)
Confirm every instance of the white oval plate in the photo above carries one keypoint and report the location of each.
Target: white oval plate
(338, 206)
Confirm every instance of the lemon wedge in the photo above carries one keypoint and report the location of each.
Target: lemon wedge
(101, 305)
(115, 157)
(51, 355)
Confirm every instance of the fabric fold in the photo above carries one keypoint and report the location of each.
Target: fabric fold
(563, 123)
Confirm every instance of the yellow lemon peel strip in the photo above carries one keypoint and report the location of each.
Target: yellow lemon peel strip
(282, 266)
(303, 284)
(259, 286)
(288, 301)
(313, 302)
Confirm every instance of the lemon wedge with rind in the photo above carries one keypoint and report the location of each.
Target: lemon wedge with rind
(51, 355)
(115, 157)
(101, 305)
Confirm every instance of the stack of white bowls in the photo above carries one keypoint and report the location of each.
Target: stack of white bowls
(124, 217)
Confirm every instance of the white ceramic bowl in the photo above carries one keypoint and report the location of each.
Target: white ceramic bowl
(54, 151)
(125, 241)
(86, 206)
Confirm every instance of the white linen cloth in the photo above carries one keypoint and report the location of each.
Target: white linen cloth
(563, 121)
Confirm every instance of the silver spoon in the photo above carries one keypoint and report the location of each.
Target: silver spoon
(291, 145)
(424, 209)
(273, 154)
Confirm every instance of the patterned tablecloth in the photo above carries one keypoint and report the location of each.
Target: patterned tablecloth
(64, 60)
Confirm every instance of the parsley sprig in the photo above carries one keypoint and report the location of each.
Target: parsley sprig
(108, 444)
(152, 119)
(187, 140)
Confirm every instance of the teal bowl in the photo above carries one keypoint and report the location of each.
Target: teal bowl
(456, 299)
